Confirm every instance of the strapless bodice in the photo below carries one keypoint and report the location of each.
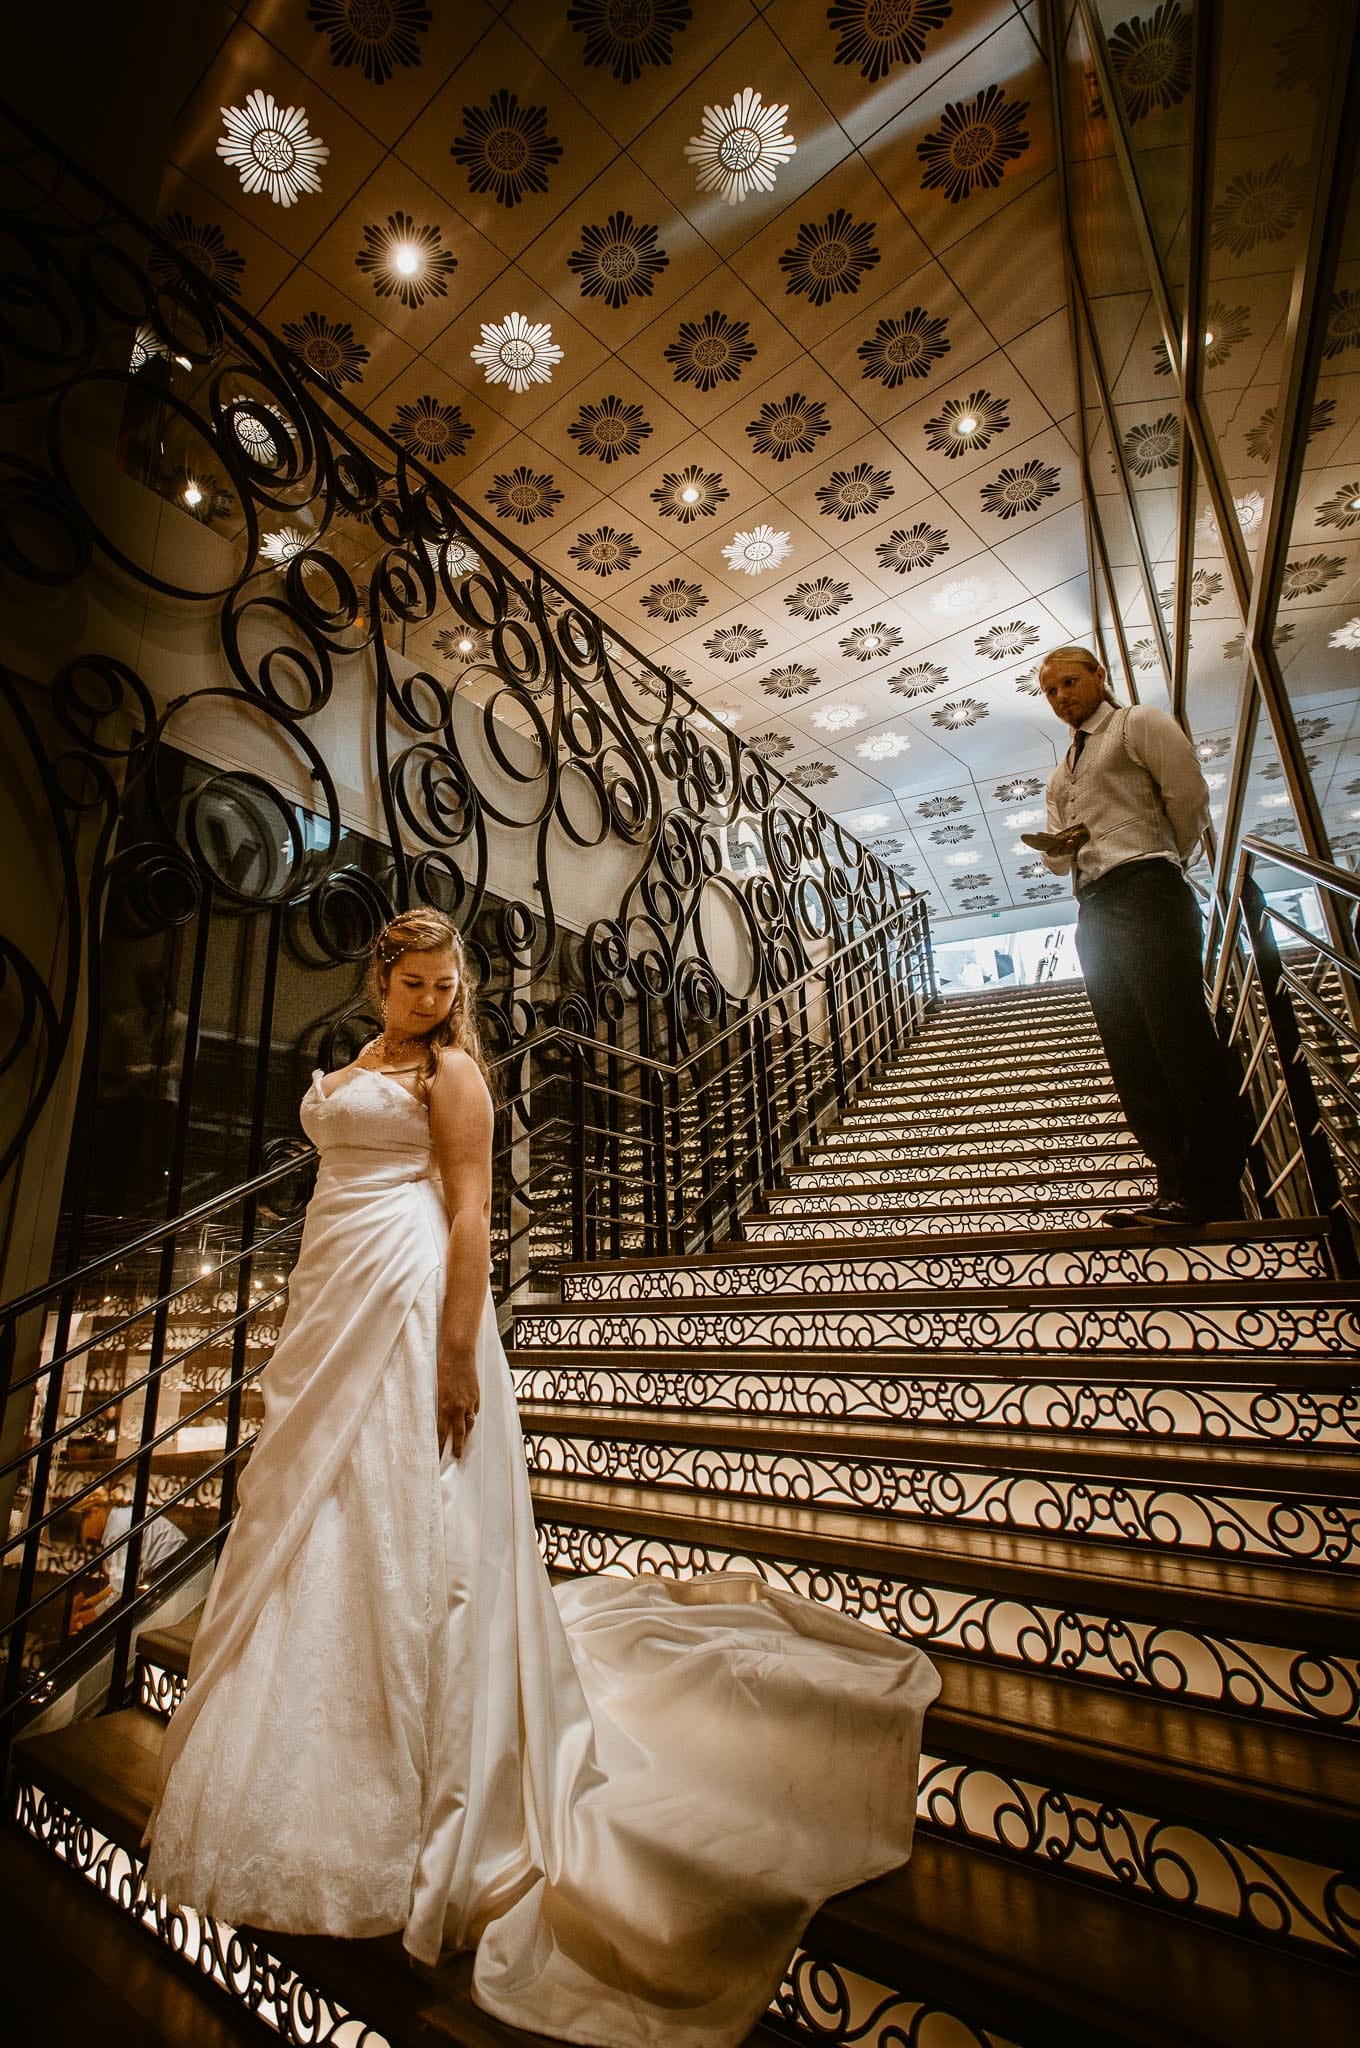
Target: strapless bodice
(370, 1129)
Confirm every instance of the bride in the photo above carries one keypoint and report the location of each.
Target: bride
(629, 1796)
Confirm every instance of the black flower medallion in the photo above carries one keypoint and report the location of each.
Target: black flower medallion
(1305, 52)
(735, 643)
(464, 645)
(791, 681)
(979, 902)
(788, 426)
(999, 643)
(431, 430)
(609, 430)
(1145, 654)
(377, 35)
(524, 495)
(1343, 324)
(876, 34)
(406, 262)
(821, 599)
(1234, 649)
(506, 148)
(885, 849)
(973, 144)
(964, 426)
(1019, 490)
(951, 835)
(871, 643)
(1342, 509)
(1027, 683)
(1261, 437)
(912, 547)
(1258, 206)
(978, 881)
(829, 258)
(908, 347)
(199, 252)
(604, 552)
(628, 35)
(1307, 579)
(1154, 445)
(690, 493)
(1224, 328)
(1043, 892)
(328, 347)
(1150, 56)
(771, 746)
(963, 711)
(922, 679)
(674, 600)
(940, 807)
(618, 262)
(711, 351)
(813, 774)
(1019, 789)
(1204, 586)
(847, 493)
(1312, 728)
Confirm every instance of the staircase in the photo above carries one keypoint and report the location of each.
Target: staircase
(1107, 1482)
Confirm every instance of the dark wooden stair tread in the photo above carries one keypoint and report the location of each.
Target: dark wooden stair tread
(1089, 1368)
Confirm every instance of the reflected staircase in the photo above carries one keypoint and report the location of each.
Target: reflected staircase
(1106, 1480)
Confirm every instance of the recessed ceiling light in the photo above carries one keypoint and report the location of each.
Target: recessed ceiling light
(1355, 505)
(192, 494)
(465, 646)
(967, 425)
(1208, 337)
(406, 258)
(690, 495)
(184, 362)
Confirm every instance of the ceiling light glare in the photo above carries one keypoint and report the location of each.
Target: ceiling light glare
(465, 646)
(959, 860)
(967, 425)
(184, 362)
(1020, 821)
(406, 258)
(192, 494)
(690, 495)
(1354, 505)
(1208, 337)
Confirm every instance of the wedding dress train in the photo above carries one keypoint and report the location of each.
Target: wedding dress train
(630, 1796)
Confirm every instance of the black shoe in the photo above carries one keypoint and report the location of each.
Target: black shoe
(1132, 1219)
(1183, 1215)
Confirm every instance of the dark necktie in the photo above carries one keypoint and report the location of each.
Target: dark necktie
(1077, 745)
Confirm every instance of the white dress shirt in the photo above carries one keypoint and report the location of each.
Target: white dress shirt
(1137, 786)
(160, 1540)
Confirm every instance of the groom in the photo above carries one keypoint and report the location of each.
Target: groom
(1127, 808)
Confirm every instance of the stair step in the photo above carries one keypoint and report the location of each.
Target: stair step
(911, 1146)
(1021, 1092)
(1274, 1639)
(964, 1169)
(983, 1065)
(1297, 1509)
(969, 1129)
(1218, 1251)
(843, 1223)
(1111, 1189)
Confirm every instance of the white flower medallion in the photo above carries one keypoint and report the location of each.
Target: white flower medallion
(741, 147)
(285, 544)
(517, 352)
(755, 552)
(883, 746)
(271, 148)
(839, 717)
(1347, 635)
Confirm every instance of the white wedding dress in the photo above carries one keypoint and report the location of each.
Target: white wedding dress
(630, 1796)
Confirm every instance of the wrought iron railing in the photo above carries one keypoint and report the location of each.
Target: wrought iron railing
(1289, 1003)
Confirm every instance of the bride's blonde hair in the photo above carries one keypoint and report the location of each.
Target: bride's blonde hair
(429, 931)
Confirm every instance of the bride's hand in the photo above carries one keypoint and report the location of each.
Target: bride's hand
(459, 1398)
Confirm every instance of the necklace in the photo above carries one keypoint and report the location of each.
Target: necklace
(389, 1049)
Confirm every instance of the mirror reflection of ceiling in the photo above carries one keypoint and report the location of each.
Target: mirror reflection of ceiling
(750, 324)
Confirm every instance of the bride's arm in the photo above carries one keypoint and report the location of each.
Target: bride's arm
(461, 1124)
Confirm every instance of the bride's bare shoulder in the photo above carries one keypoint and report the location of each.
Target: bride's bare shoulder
(459, 1078)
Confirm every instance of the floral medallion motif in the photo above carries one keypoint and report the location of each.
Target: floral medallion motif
(870, 643)
(1000, 642)
(1272, 772)
(1312, 728)
(1306, 50)
(1261, 437)
(628, 35)
(848, 493)
(979, 903)
(1342, 509)
(771, 746)
(876, 34)
(524, 495)
(963, 711)
(674, 600)
(973, 144)
(610, 430)
(506, 148)
(883, 746)
(689, 494)
(1031, 871)
(791, 681)
(1234, 649)
(831, 258)
(813, 774)
(977, 881)
(788, 426)
(431, 430)
(714, 350)
(604, 552)
(147, 345)
(1343, 324)
(838, 717)
(939, 807)
(1019, 789)
(1205, 585)
(517, 352)
(1154, 445)
(885, 849)
(1258, 206)
(618, 262)
(453, 557)
(328, 347)
(954, 599)
(199, 252)
(963, 426)
(1027, 683)
(1347, 636)
(464, 645)
(755, 552)
(908, 347)
(284, 545)
(821, 599)
(271, 148)
(376, 35)
(405, 262)
(1308, 578)
(740, 148)
(1150, 56)
(1043, 892)
(951, 835)
(1145, 654)
(735, 643)
(922, 679)
(260, 430)
(1020, 490)
(912, 547)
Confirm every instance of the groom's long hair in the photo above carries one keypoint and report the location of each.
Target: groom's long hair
(429, 931)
